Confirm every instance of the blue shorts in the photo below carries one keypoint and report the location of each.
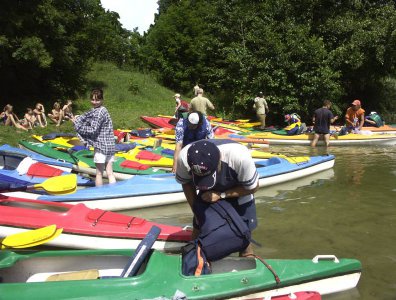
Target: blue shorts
(247, 211)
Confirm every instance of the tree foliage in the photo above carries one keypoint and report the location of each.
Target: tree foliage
(299, 52)
(46, 47)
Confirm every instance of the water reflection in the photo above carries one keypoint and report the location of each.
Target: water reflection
(349, 211)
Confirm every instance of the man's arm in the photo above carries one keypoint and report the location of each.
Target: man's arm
(333, 119)
(176, 155)
(348, 121)
(190, 193)
(210, 105)
(361, 122)
(235, 192)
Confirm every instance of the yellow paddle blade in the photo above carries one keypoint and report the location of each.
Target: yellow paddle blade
(59, 184)
(31, 238)
(82, 164)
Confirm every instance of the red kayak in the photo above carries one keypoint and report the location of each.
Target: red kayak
(83, 227)
(159, 122)
(293, 296)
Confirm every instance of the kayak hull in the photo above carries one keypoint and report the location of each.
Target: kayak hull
(85, 228)
(18, 168)
(232, 277)
(61, 164)
(344, 140)
(155, 190)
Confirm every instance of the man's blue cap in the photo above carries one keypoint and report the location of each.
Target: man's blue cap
(203, 158)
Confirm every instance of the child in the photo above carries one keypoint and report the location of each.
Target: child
(96, 129)
(39, 113)
(9, 118)
(56, 114)
(30, 119)
(68, 110)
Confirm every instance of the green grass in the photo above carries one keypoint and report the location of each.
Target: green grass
(128, 95)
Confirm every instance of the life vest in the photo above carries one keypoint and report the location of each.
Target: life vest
(376, 118)
(184, 105)
(292, 129)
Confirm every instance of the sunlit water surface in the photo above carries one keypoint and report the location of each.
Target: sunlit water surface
(349, 211)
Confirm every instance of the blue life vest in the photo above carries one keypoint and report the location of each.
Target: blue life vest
(192, 135)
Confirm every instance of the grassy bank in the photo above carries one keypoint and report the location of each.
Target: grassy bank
(128, 95)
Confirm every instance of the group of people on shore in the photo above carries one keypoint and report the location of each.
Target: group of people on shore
(36, 116)
(322, 118)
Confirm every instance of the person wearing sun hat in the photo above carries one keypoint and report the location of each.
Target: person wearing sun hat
(181, 106)
(190, 129)
(354, 117)
(219, 169)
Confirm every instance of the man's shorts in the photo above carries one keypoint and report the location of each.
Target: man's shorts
(247, 211)
(100, 158)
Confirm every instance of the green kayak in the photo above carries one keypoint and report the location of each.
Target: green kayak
(80, 274)
(83, 160)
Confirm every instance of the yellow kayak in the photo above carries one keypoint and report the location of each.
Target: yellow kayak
(348, 139)
(260, 154)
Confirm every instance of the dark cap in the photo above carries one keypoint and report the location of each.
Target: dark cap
(203, 158)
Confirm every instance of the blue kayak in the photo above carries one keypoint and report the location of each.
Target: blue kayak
(161, 189)
(21, 168)
(7, 149)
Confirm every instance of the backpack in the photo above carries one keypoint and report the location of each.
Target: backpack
(146, 132)
(376, 118)
(222, 229)
(184, 105)
(194, 262)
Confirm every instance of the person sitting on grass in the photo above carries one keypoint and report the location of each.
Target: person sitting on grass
(9, 118)
(39, 113)
(68, 110)
(56, 114)
(30, 119)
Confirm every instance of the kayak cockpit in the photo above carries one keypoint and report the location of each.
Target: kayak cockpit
(38, 269)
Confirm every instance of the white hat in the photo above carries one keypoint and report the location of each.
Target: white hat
(193, 118)
(177, 96)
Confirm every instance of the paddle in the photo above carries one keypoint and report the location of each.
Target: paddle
(30, 238)
(134, 263)
(58, 185)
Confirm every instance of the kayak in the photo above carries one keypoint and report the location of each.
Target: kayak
(163, 189)
(82, 160)
(158, 122)
(131, 152)
(343, 140)
(379, 130)
(95, 274)
(8, 150)
(85, 228)
(19, 169)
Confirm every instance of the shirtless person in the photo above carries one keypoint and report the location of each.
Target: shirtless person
(56, 114)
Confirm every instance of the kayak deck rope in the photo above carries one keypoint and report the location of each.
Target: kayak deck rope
(97, 219)
(267, 265)
(130, 222)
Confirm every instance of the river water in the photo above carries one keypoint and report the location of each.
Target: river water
(348, 211)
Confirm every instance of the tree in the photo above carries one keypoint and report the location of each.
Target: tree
(46, 47)
(299, 52)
